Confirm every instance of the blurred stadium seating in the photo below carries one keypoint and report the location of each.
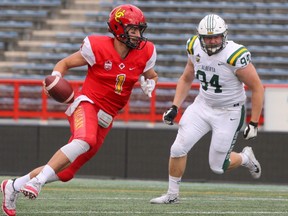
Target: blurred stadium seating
(35, 34)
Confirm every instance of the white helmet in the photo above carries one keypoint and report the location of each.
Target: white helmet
(212, 25)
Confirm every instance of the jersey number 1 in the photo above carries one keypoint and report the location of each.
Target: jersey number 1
(119, 83)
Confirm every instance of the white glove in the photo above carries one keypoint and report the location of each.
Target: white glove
(56, 73)
(147, 85)
(250, 132)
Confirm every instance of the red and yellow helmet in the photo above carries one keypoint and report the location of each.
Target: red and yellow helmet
(124, 17)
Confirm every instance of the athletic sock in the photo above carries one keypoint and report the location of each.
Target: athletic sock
(46, 173)
(19, 182)
(245, 159)
(52, 178)
(174, 184)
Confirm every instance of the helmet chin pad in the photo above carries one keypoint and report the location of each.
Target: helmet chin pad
(133, 42)
(212, 49)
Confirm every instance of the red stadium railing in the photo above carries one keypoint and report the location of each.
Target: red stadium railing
(26, 99)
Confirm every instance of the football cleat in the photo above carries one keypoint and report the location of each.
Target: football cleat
(253, 165)
(166, 199)
(9, 197)
(31, 189)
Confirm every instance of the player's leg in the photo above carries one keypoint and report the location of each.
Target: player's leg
(91, 127)
(226, 127)
(11, 188)
(191, 128)
(245, 158)
(226, 124)
(68, 153)
(69, 172)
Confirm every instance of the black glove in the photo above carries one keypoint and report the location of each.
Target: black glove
(170, 115)
(250, 131)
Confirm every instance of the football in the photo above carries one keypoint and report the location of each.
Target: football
(59, 89)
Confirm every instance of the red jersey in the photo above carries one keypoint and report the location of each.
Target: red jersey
(110, 79)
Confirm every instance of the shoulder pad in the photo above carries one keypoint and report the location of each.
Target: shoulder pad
(235, 55)
(190, 43)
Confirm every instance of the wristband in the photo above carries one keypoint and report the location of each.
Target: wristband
(255, 124)
(174, 107)
(56, 73)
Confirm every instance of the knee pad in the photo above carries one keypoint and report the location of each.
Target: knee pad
(177, 151)
(217, 170)
(75, 148)
(216, 163)
(221, 170)
(65, 175)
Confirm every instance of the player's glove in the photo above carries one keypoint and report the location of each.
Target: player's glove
(170, 114)
(147, 85)
(250, 131)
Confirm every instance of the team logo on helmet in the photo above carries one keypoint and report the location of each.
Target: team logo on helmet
(119, 14)
(122, 19)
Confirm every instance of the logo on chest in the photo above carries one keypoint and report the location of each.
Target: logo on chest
(198, 58)
(121, 66)
(108, 65)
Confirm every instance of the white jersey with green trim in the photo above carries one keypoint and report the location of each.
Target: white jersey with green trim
(220, 86)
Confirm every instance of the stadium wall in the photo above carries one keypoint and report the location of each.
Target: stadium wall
(137, 152)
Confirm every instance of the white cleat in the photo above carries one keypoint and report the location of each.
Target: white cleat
(253, 165)
(31, 189)
(9, 197)
(166, 199)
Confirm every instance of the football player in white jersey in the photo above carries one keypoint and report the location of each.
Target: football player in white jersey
(222, 67)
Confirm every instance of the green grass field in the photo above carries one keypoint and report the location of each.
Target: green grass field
(131, 197)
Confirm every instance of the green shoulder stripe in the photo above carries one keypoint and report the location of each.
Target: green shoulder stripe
(234, 57)
(189, 45)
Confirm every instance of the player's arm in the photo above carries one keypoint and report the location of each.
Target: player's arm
(149, 77)
(74, 60)
(182, 90)
(250, 78)
(61, 67)
(151, 74)
(148, 81)
(184, 84)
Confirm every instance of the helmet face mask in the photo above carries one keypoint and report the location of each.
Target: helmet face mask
(212, 26)
(124, 18)
(132, 41)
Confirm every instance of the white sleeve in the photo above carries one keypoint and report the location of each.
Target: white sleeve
(151, 62)
(87, 53)
(243, 61)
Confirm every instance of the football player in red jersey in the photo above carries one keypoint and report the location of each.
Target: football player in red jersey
(114, 64)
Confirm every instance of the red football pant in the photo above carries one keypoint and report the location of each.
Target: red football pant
(84, 126)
